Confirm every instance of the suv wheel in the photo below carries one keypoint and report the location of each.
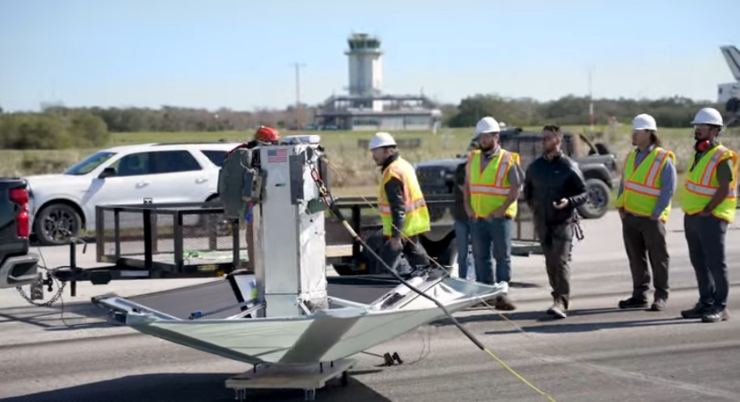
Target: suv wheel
(598, 199)
(56, 224)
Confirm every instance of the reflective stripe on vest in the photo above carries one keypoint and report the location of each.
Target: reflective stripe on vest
(489, 187)
(701, 184)
(416, 220)
(642, 183)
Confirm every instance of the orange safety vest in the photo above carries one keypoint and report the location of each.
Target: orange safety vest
(417, 215)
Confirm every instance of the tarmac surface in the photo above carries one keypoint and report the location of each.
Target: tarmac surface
(599, 353)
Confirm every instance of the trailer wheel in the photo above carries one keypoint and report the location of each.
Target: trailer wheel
(444, 251)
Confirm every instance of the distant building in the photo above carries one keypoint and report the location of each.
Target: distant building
(366, 107)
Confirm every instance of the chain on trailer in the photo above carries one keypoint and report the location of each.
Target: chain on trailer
(37, 289)
(337, 212)
(57, 295)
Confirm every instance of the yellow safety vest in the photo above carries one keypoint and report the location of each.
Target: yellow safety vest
(701, 184)
(642, 184)
(417, 215)
(490, 187)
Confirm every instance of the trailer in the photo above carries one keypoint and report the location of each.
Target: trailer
(196, 240)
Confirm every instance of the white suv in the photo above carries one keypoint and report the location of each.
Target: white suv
(63, 204)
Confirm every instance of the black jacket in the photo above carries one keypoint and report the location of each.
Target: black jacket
(548, 181)
(394, 192)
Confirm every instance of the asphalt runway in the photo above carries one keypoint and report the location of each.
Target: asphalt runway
(599, 353)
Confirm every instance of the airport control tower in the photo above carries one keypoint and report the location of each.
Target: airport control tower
(365, 106)
(365, 65)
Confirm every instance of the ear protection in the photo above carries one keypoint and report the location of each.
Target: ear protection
(703, 145)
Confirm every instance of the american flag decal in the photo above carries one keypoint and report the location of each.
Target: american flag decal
(277, 155)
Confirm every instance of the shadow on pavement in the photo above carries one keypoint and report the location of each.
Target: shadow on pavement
(563, 326)
(191, 387)
(536, 315)
(59, 317)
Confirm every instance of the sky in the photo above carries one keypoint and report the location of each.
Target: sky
(240, 54)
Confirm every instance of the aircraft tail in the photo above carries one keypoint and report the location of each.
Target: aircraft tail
(732, 55)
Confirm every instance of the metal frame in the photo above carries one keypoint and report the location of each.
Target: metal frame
(149, 213)
(523, 245)
(136, 268)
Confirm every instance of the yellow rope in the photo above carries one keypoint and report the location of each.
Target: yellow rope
(519, 376)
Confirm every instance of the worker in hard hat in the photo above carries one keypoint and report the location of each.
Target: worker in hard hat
(553, 188)
(708, 199)
(493, 181)
(403, 211)
(644, 203)
(263, 135)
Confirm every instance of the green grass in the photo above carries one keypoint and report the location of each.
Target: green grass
(351, 165)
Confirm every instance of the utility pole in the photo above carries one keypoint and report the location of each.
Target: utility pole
(298, 107)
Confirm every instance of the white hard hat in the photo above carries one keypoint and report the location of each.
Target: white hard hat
(708, 115)
(381, 139)
(487, 125)
(644, 122)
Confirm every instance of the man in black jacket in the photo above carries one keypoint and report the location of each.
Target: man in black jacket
(553, 188)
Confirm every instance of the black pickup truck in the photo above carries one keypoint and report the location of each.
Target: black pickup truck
(598, 165)
(17, 266)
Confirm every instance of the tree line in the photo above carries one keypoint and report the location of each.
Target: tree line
(52, 130)
(571, 110)
(174, 119)
(64, 127)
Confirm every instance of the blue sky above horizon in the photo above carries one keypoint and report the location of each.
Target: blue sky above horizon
(239, 54)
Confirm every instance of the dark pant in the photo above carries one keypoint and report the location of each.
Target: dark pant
(496, 232)
(462, 240)
(705, 236)
(644, 239)
(412, 250)
(557, 242)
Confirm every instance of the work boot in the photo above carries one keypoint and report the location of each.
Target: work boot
(716, 316)
(633, 302)
(698, 311)
(504, 303)
(557, 310)
(658, 305)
